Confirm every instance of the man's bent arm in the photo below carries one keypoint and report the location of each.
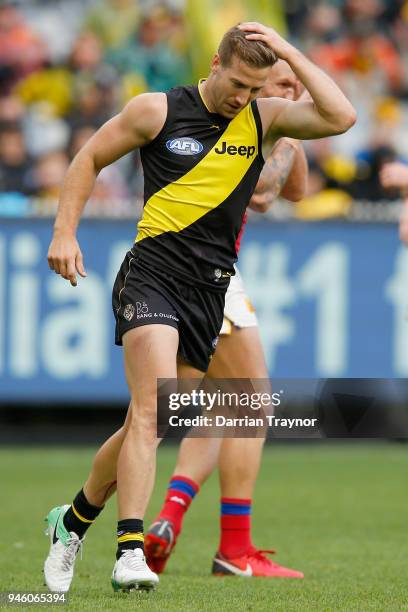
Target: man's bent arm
(328, 114)
(139, 123)
(284, 174)
(295, 187)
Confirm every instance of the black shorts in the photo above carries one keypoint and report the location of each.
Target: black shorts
(146, 296)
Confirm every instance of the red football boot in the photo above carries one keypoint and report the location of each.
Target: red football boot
(253, 563)
(159, 542)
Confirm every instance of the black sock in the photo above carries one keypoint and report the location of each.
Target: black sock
(80, 515)
(130, 535)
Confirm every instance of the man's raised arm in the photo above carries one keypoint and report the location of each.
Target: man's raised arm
(329, 112)
(138, 123)
(284, 174)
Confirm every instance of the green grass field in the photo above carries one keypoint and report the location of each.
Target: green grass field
(337, 512)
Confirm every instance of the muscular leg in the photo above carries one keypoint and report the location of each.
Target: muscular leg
(239, 355)
(157, 344)
(150, 354)
(101, 482)
(197, 457)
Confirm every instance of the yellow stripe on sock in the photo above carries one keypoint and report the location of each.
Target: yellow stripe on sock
(131, 537)
(81, 518)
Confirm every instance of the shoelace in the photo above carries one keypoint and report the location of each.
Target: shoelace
(133, 559)
(259, 555)
(71, 552)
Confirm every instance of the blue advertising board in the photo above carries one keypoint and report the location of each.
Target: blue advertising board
(331, 298)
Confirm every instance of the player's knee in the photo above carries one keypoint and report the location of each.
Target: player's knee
(144, 423)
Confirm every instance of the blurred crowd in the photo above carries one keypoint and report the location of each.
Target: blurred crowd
(363, 45)
(66, 66)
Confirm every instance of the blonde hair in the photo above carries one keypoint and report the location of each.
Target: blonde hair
(253, 52)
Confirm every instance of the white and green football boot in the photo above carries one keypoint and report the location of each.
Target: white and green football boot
(59, 565)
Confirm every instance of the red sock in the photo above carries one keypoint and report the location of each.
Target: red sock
(235, 527)
(180, 494)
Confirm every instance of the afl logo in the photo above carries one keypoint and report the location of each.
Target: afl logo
(184, 146)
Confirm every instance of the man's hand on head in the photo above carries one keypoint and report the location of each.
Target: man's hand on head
(258, 31)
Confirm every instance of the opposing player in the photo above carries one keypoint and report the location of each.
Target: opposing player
(394, 175)
(201, 153)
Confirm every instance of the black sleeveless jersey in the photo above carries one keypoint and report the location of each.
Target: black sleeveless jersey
(199, 175)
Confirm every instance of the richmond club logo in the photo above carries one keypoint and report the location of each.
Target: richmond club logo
(184, 146)
(128, 312)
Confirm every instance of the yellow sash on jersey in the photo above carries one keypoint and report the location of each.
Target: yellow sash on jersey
(205, 186)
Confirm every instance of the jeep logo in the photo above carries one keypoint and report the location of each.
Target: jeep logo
(184, 146)
(233, 150)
